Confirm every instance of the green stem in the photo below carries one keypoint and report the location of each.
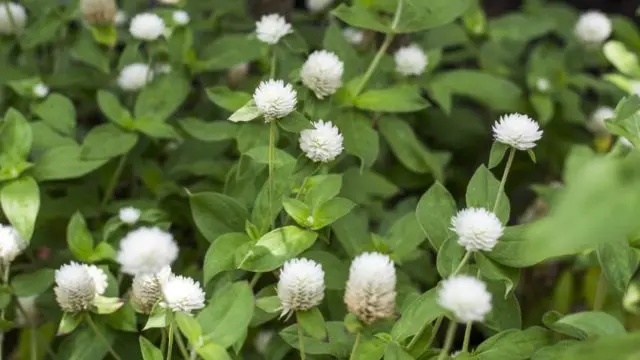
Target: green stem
(95, 329)
(381, 51)
(254, 279)
(5, 282)
(434, 332)
(181, 346)
(113, 182)
(300, 342)
(170, 341)
(163, 342)
(448, 341)
(272, 70)
(503, 181)
(464, 260)
(33, 338)
(357, 342)
(467, 337)
(601, 293)
(272, 150)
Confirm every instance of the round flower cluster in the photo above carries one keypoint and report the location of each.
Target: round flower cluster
(129, 215)
(182, 294)
(466, 297)
(354, 36)
(410, 60)
(180, 17)
(322, 73)
(477, 229)
(146, 250)
(323, 143)
(517, 130)
(275, 99)
(134, 77)
(98, 12)
(315, 6)
(40, 90)
(12, 243)
(77, 285)
(147, 27)
(271, 28)
(301, 285)
(371, 288)
(597, 122)
(593, 27)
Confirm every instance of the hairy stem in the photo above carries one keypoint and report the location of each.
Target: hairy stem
(503, 181)
(464, 260)
(113, 182)
(601, 293)
(467, 336)
(300, 342)
(355, 346)
(181, 346)
(96, 330)
(448, 341)
(272, 151)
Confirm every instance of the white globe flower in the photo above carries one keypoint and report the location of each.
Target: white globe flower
(477, 229)
(40, 90)
(323, 143)
(597, 122)
(353, 35)
(466, 297)
(410, 60)
(146, 290)
(517, 130)
(593, 27)
(99, 278)
(12, 243)
(120, 18)
(146, 250)
(147, 27)
(271, 28)
(181, 17)
(315, 6)
(182, 294)
(322, 73)
(98, 12)
(370, 292)
(134, 77)
(301, 285)
(543, 85)
(75, 287)
(162, 69)
(275, 99)
(19, 15)
(129, 215)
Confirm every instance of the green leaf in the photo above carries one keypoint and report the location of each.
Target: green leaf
(299, 211)
(319, 189)
(162, 97)
(213, 351)
(482, 192)
(335, 270)
(588, 324)
(419, 15)
(396, 99)
(360, 139)
(338, 344)
(360, 17)
(494, 271)
(329, 212)
(352, 232)
(405, 236)
(58, 112)
(618, 262)
(106, 305)
(157, 318)
(370, 349)
(79, 238)
(312, 323)
(422, 310)
(189, 327)
(107, 141)
(276, 247)
(295, 122)
(43, 30)
(544, 107)
(68, 323)
(88, 52)
(519, 27)
(225, 320)
(20, 203)
(221, 254)
(105, 35)
(622, 346)
(513, 344)
(15, 136)
(64, 162)
(260, 155)
(148, 350)
(434, 212)
(228, 99)
(151, 127)
(124, 319)
(624, 60)
(396, 352)
(449, 257)
(209, 131)
(247, 112)
(228, 51)
(496, 155)
(113, 110)
(410, 150)
(33, 283)
(216, 214)
(505, 310)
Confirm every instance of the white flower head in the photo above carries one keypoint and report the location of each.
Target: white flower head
(271, 28)
(543, 84)
(323, 143)
(12, 243)
(75, 287)
(410, 60)
(301, 285)
(322, 73)
(597, 122)
(40, 90)
(134, 77)
(120, 18)
(146, 250)
(146, 289)
(129, 215)
(147, 27)
(162, 68)
(180, 17)
(517, 130)
(275, 99)
(353, 35)
(315, 6)
(371, 288)
(477, 229)
(99, 278)
(183, 294)
(16, 12)
(593, 27)
(466, 297)
(98, 12)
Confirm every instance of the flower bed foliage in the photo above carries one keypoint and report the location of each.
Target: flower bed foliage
(363, 180)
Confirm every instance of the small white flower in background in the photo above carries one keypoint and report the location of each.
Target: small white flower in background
(129, 215)
(120, 18)
(517, 130)
(353, 35)
(322, 73)
(593, 27)
(180, 17)
(466, 297)
(169, 2)
(19, 15)
(315, 6)
(477, 229)
(146, 250)
(183, 294)
(261, 341)
(271, 28)
(301, 285)
(134, 77)
(76, 286)
(99, 278)
(543, 85)
(598, 119)
(626, 142)
(146, 290)
(12, 243)
(410, 60)
(40, 90)
(371, 288)
(322, 143)
(162, 69)
(147, 26)
(275, 99)
(98, 12)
